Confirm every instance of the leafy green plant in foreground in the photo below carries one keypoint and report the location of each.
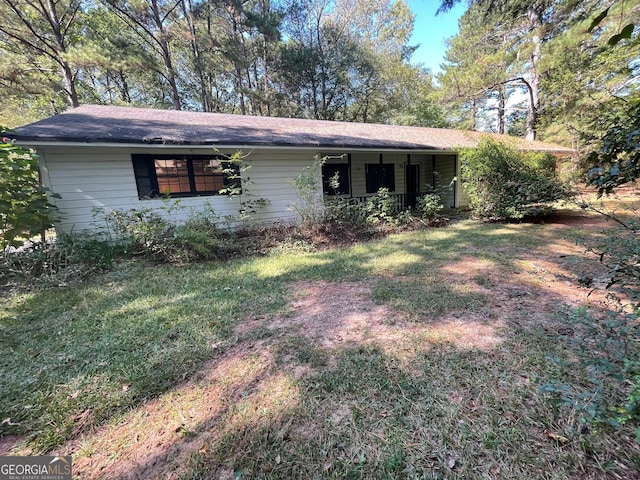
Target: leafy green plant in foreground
(617, 162)
(25, 210)
(603, 360)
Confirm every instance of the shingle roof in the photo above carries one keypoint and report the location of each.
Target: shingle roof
(126, 125)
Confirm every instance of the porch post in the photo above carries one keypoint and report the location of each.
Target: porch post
(433, 172)
(455, 181)
(350, 176)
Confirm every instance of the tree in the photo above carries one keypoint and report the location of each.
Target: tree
(585, 76)
(41, 33)
(153, 21)
(347, 60)
(501, 47)
(250, 45)
(477, 68)
(541, 46)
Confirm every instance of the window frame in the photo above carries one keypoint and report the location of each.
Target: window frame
(146, 175)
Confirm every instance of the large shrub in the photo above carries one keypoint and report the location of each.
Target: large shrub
(504, 182)
(24, 208)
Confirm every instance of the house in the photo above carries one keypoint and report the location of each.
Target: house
(111, 158)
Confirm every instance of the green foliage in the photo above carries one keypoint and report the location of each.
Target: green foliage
(430, 207)
(308, 188)
(381, 208)
(236, 169)
(619, 251)
(346, 213)
(147, 232)
(24, 208)
(380, 212)
(602, 361)
(504, 182)
(481, 61)
(617, 162)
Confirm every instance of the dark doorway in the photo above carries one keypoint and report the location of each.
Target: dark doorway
(412, 182)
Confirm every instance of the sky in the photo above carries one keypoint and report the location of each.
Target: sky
(431, 31)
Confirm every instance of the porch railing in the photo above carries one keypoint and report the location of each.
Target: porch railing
(403, 201)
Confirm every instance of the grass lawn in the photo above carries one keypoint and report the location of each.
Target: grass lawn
(421, 355)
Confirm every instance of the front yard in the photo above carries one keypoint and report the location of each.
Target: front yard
(433, 354)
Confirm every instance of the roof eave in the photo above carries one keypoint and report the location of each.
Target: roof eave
(190, 146)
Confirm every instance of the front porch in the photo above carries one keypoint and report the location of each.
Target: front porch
(407, 176)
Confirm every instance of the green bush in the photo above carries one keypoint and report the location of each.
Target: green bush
(381, 208)
(201, 236)
(346, 213)
(503, 182)
(617, 161)
(24, 208)
(430, 207)
(309, 206)
(147, 232)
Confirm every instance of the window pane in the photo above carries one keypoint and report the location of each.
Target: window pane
(372, 174)
(145, 176)
(388, 177)
(173, 175)
(207, 175)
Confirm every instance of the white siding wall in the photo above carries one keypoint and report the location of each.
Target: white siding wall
(89, 178)
(446, 169)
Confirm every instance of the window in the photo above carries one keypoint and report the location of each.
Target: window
(380, 175)
(332, 172)
(180, 176)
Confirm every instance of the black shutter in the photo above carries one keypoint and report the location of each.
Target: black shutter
(372, 174)
(145, 173)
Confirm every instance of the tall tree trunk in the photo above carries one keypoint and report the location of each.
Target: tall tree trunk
(474, 114)
(69, 82)
(265, 73)
(501, 109)
(68, 78)
(535, 24)
(124, 88)
(187, 9)
(169, 73)
(236, 56)
(240, 89)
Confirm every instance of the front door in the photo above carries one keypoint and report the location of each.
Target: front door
(412, 184)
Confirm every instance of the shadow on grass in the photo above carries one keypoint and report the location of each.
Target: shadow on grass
(82, 356)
